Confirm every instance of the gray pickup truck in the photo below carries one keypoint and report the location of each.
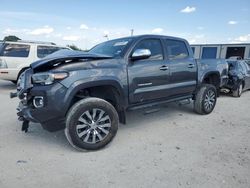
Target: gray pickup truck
(88, 93)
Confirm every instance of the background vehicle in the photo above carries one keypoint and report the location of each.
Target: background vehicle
(87, 94)
(239, 77)
(15, 57)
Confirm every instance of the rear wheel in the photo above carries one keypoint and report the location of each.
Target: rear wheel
(205, 99)
(238, 91)
(91, 124)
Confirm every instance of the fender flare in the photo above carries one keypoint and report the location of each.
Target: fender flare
(82, 84)
(210, 73)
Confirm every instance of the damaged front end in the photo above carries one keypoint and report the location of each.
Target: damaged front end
(41, 100)
(23, 86)
(43, 97)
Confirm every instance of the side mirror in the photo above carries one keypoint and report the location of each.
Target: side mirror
(141, 54)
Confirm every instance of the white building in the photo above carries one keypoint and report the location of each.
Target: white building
(221, 51)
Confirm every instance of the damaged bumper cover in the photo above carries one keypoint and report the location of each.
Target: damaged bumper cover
(49, 116)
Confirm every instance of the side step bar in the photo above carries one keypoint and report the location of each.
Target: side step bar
(136, 107)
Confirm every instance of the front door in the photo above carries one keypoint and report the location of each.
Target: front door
(148, 78)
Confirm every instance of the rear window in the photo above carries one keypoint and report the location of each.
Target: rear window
(209, 53)
(43, 51)
(14, 50)
(176, 49)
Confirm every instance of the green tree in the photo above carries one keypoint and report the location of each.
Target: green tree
(74, 47)
(11, 38)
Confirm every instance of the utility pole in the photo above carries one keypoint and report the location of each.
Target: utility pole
(132, 32)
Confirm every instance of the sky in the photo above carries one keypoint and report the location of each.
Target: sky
(87, 23)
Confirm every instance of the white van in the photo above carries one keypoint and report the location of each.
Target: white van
(15, 57)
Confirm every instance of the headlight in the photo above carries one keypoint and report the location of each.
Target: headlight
(47, 78)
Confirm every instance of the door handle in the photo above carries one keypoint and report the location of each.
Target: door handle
(164, 67)
(191, 66)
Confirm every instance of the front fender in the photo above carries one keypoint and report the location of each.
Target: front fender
(83, 84)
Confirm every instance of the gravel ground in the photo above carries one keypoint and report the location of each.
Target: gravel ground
(171, 147)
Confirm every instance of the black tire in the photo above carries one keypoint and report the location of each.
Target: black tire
(79, 135)
(205, 99)
(15, 81)
(238, 91)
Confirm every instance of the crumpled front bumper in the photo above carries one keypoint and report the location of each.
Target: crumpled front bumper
(51, 114)
(24, 113)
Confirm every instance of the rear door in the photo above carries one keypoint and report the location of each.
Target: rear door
(183, 68)
(148, 78)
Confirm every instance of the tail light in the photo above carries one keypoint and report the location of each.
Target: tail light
(3, 64)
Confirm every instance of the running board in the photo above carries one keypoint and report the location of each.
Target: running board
(136, 107)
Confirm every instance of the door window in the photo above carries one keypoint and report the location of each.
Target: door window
(15, 50)
(43, 51)
(241, 68)
(155, 47)
(176, 49)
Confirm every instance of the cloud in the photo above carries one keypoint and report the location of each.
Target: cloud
(83, 26)
(199, 38)
(188, 9)
(71, 38)
(68, 28)
(232, 22)
(58, 35)
(192, 41)
(200, 28)
(242, 38)
(157, 31)
(106, 32)
(9, 31)
(41, 31)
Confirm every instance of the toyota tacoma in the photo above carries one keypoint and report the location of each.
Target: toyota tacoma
(88, 93)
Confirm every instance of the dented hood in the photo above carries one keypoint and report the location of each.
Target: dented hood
(63, 55)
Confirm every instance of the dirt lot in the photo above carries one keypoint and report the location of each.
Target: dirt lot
(172, 147)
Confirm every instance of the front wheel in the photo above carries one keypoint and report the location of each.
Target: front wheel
(205, 99)
(91, 124)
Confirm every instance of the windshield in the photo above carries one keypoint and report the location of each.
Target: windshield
(111, 48)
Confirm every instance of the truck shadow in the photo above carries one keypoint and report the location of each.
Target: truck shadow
(152, 115)
(55, 140)
(135, 119)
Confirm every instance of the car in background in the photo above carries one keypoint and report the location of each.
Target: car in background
(239, 77)
(16, 57)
